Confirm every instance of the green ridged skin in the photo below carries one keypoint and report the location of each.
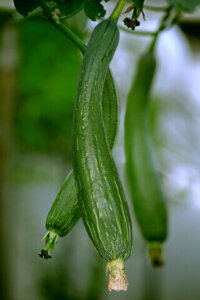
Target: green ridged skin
(101, 198)
(64, 212)
(143, 179)
(110, 109)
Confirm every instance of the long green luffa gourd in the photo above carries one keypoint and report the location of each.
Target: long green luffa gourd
(101, 198)
(64, 212)
(142, 176)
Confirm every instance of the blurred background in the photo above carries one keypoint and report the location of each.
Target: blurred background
(39, 71)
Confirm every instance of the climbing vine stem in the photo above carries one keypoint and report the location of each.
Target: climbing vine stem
(163, 25)
(61, 26)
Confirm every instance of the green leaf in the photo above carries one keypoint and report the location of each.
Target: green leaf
(24, 6)
(185, 5)
(69, 7)
(94, 9)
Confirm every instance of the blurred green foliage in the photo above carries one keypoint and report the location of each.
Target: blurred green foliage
(185, 5)
(92, 8)
(55, 285)
(24, 7)
(68, 7)
(56, 282)
(47, 82)
(4, 17)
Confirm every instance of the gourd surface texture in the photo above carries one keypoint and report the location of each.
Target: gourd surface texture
(142, 175)
(101, 198)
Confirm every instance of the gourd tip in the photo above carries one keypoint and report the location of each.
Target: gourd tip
(51, 239)
(155, 253)
(44, 254)
(117, 277)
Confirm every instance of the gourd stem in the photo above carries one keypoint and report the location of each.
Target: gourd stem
(117, 276)
(51, 239)
(155, 253)
(163, 26)
(54, 19)
(117, 10)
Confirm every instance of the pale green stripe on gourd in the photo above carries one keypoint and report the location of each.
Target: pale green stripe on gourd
(64, 212)
(142, 176)
(101, 198)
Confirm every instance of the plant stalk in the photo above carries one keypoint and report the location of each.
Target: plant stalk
(117, 10)
(54, 19)
(163, 26)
